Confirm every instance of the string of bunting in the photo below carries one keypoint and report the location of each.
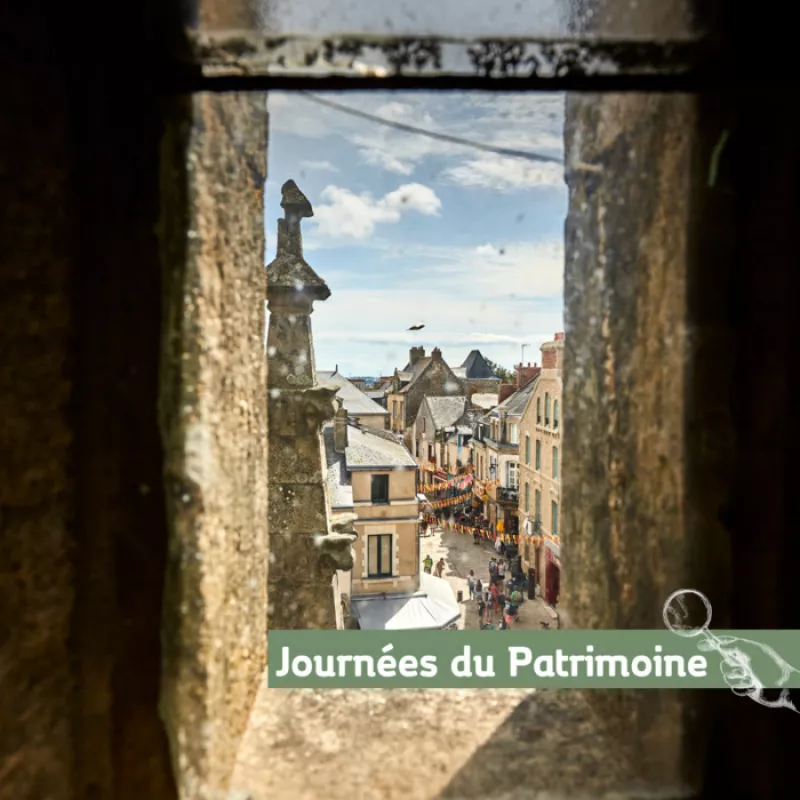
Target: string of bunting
(450, 501)
(483, 533)
(460, 482)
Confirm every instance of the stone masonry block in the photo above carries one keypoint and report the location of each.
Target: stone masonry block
(298, 508)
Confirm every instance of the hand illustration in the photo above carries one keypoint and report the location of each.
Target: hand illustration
(739, 660)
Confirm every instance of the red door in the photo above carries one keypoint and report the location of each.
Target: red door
(553, 583)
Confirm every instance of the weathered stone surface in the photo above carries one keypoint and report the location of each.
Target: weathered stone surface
(303, 604)
(297, 553)
(426, 744)
(214, 419)
(298, 508)
(627, 540)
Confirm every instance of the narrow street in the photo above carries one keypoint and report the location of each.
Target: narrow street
(461, 555)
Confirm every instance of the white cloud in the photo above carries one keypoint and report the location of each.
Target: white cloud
(504, 174)
(319, 166)
(344, 214)
(527, 122)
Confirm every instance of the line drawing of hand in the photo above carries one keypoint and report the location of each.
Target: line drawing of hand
(737, 669)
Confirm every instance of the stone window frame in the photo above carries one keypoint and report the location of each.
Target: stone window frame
(556, 413)
(392, 556)
(527, 449)
(538, 455)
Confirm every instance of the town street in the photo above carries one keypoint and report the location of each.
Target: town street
(461, 555)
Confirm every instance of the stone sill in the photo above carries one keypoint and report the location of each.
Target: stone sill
(418, 744)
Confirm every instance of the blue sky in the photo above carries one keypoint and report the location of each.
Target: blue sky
(407, 229)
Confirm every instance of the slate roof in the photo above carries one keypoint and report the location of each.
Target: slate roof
(340, 489)
(372, 449)
(356, 402)
(514, 405)
(446, 411)
(477, 368)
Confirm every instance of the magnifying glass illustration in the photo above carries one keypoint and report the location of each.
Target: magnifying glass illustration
(677, 617)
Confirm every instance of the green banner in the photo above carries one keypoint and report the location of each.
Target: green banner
(570, 659)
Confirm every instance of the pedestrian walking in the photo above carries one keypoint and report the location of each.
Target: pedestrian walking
(481, 611)
(479, 589)
(440, 567)
(471, 584)
(428, 564)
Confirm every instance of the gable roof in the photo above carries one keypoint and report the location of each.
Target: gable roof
(356, 402)
(373, 449)
(445, 411)
(476, 367)
(514, 405)
(421, 367)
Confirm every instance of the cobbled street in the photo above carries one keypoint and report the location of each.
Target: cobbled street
(461, 555)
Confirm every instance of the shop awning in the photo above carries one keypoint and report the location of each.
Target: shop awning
(431, 608)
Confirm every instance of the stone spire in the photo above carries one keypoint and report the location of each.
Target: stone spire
(306, 547)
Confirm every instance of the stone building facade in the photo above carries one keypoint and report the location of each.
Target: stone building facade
(423, 376)
(541, 431)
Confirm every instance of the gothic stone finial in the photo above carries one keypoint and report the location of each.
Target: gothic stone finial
(294, 203)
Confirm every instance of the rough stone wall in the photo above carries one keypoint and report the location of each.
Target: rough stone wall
(624, 491)
(214, 418)
(481, 386)
(438, 380)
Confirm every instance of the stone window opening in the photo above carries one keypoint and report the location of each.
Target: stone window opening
(556, 414)
(547, 410)
(379, 493)
(108, 628)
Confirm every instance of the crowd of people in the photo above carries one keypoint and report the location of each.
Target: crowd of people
(497, 600)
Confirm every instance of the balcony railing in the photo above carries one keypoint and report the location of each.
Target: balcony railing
(506, 495)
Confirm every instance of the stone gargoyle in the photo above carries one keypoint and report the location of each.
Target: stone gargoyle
(336, 547)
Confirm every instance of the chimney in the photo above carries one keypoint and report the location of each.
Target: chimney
(553, 353)
(505, 391)
(525, 374)
(436, 354)
(340, 427)
(415, 354)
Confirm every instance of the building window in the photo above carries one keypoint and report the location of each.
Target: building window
(394, 408)
(555, 463)
(556, 413)
(512, 475)
(537, 505)
(554, 522)
(538, 454)
(423, 424)
(527, 449)
(513, 433)
(527, 497)
(538, 410)
(379, 558)
(380, 488)
(546, 410)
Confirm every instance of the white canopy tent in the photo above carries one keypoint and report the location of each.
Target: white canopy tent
(433, 607)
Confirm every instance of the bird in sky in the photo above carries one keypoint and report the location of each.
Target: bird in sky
(418, 327)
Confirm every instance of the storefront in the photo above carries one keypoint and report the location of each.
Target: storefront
(552, 572)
